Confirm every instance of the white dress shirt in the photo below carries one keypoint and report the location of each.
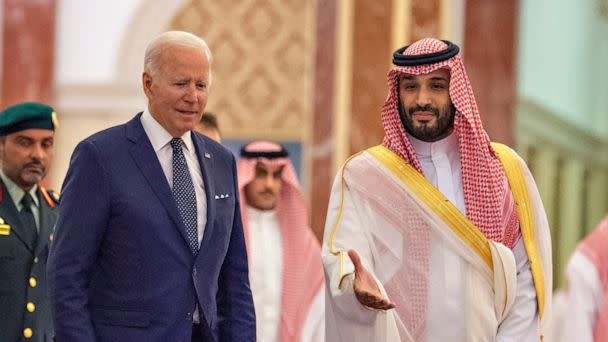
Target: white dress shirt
(265, 276)
(440, 163)
(161, 143)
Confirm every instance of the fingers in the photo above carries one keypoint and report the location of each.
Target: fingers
(364, 282)
(354, 257)
(373, 301)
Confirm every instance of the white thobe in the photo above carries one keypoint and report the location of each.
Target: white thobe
(584, 299)
(265, 277)
(266, 254)
(440, 163)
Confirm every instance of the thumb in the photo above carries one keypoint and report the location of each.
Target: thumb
(354, 257)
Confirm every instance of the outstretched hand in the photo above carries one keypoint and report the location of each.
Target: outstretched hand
(366, 289)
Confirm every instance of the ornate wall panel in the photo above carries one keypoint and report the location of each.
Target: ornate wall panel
(263, 55)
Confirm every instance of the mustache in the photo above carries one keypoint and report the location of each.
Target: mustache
(267, 192)
(427, 108)
(34, 164)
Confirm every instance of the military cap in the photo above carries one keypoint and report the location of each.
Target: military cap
(27, 115)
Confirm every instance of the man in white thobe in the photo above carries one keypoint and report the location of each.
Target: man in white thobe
(437, 234)
(285, 257)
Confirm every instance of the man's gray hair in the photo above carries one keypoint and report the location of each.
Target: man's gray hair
(156, 46)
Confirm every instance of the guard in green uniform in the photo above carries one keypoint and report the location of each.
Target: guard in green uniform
(27, 217)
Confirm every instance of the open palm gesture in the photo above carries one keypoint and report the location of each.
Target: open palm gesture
(366, 289)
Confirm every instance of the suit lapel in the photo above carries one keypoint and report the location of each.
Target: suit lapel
(142, 152)
(206, 162)
(9, 213)
(47, 220)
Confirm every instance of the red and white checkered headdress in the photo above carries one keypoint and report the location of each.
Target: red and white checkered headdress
(488, 200)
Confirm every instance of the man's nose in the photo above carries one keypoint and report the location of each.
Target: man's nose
(37, 152)
(271, 181)
(423, 98)
(191, 95)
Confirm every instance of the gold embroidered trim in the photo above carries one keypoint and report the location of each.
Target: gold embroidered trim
(436, 201)
(518, 186)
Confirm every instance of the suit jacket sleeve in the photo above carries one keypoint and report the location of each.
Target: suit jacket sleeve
(235, 303)
(84, 213)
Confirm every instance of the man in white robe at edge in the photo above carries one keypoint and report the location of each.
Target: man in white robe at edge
(286, 273)
(583, 315)
(437, 234)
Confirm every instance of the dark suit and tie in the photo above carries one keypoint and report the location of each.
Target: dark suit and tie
(145, 249)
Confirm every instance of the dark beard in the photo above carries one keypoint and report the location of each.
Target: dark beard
(445, 122)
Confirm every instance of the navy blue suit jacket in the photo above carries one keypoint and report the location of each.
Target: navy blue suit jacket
(120, 268)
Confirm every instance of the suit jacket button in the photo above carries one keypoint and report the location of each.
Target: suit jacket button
(27, 333)
(33, 282)
(30, 307)
(35, 260)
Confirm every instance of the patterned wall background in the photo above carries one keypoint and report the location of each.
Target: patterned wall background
(262, 66)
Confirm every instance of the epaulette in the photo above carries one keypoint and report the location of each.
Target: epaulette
(50, 197)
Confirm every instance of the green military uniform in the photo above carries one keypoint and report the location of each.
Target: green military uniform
(25, 312)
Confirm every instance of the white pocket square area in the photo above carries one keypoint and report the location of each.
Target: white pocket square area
(222, 196)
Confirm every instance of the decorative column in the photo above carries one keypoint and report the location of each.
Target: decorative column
(490, 58)
(323, 141)
(28, 43)
(569, 229)
(597, 196)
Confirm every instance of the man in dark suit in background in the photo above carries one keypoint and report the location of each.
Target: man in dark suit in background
(208, 126)
(27, 218)
(149, 244)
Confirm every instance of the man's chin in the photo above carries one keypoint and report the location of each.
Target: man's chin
(31, 179)
(425, 135)
(427, 126)
(267, 206)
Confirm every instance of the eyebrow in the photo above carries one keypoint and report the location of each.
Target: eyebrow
(434, 78)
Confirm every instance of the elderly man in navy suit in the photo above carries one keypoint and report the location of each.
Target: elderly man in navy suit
(149, 243)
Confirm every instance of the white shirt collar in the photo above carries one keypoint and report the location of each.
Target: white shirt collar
(158, 135)
(447, 145)
(254, 214)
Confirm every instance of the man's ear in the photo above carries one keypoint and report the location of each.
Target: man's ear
(146, 81)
